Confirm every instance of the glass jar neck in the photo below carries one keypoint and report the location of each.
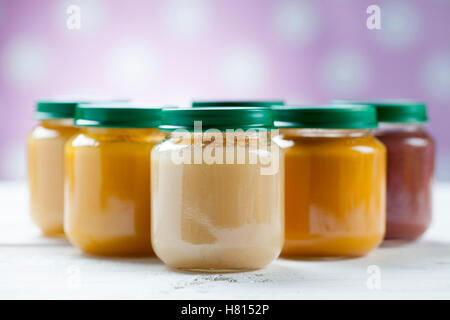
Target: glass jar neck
(221, 137)
(325, 133)
(120, 131)
(68, 122)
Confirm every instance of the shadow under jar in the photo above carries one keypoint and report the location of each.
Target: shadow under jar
(107, 210)
(334, 180)
(217, 195)
(410, 165)
(46, 164)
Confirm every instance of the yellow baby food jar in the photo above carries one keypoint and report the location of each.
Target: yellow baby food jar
(46, 163)
(217, 190)
(107, 180)
(335, 180)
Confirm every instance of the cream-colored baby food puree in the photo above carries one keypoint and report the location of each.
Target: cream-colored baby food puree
(216, 217)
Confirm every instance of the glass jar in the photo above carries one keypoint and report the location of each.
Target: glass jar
(410, 167)
(217, 194)
(46, 164)
(334, 180)
(107, 190)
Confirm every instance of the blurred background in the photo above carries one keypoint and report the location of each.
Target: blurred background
(173, 51)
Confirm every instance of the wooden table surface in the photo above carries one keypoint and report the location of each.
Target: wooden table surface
(35, 267)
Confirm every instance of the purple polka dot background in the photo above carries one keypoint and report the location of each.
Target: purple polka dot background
(173, 51)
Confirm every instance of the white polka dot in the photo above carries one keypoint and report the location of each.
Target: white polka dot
(296, 21)
(13, 160)
(25, 62)
(188, 18)
(400, 24)
(345, 72)
(132, 66)
(92, 14)
(243, 69)
(436, 75)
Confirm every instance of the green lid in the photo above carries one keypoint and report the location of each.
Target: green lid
(64, 109)
(220, 118)
(260, 104)
(397, 110)
(117, 116)
(54, 109)
(325, 117)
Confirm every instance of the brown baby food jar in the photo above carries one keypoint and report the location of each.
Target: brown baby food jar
(335, 176)
(107, 209)
(46, 163)
(410, 156)
(217, 190)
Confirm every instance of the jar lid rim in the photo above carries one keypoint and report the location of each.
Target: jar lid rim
(219, 117)
(237, 103)
(350, 116)
(113, 115)
(396, 110)
(59, 108)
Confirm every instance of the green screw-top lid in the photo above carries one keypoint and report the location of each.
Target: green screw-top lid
(54, 109)
(117, 116)
(406, 111)
(220, 118)
(325, 117)
(260, 104)
(61, 108)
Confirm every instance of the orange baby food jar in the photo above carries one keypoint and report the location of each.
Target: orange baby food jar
(335, 175)
(107, 180)
(46, 163)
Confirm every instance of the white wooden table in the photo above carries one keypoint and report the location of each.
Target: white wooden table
(35, 267)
